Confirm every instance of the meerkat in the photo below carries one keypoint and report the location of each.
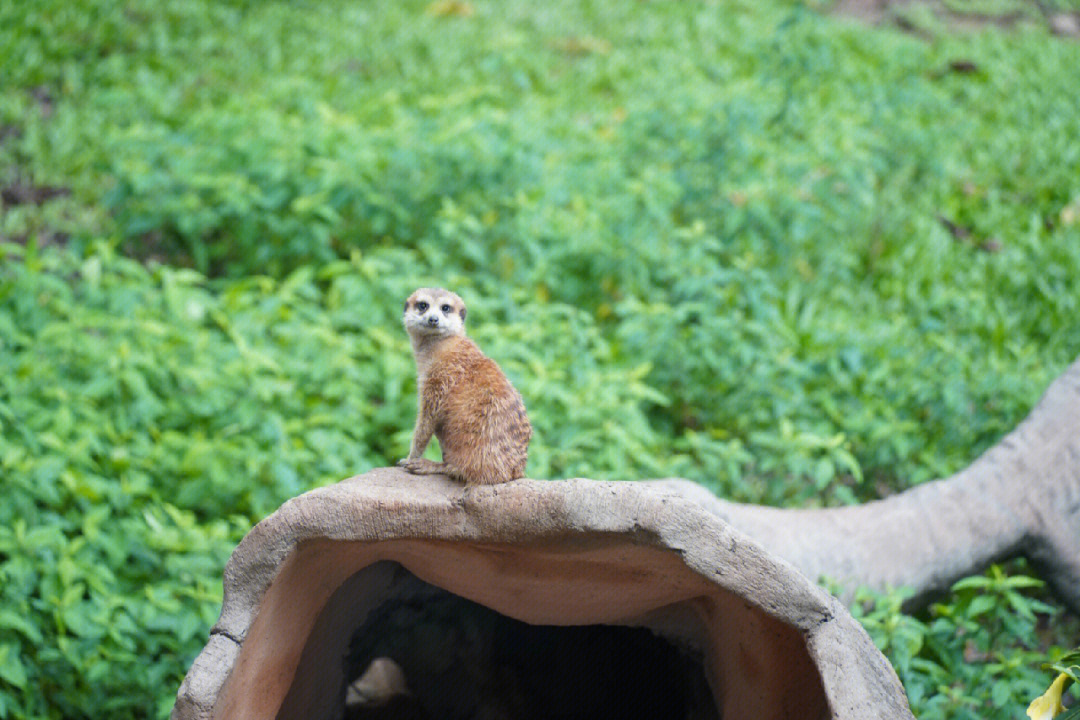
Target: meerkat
(465, 399)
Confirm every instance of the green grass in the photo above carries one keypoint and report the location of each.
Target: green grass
(793, 258)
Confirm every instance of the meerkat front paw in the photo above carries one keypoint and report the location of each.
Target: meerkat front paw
(422, 466)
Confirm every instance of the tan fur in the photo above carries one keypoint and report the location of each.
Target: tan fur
(465, 399)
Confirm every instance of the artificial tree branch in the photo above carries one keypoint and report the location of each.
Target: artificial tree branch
(1020, 497)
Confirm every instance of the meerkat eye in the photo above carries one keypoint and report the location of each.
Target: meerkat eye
(421, 306)
(445, 308)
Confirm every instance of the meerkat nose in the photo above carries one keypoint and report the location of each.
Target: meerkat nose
(433, 320)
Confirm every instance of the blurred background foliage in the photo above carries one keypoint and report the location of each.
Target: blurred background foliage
(800, 260)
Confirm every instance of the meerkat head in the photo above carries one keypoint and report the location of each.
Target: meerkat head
(434, 312)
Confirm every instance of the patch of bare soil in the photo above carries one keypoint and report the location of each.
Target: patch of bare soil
(900, 13)
(21, 192)
(17, 189)
(9, 131)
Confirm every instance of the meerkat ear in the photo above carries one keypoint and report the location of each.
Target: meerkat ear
(406, 308)
(463, 314)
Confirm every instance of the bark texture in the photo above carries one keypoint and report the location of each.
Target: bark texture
(1020, 497)
(381, 552)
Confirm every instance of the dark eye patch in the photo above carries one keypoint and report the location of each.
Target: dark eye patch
(422, 306)
(445, 308)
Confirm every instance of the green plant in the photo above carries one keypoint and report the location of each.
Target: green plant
(795, 259)
(148, 419)
(1048, 705)
(975, 654)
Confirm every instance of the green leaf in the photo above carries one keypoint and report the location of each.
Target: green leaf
(11, 620)
(12, 670)
(981, 605)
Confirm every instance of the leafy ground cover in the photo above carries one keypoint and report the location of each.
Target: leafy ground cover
(793, 258)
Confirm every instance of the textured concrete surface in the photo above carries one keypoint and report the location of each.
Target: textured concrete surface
(574, 552)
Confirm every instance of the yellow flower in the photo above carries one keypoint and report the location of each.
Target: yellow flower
(1048, 704)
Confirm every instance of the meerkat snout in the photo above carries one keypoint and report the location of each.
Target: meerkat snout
(433, 312)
